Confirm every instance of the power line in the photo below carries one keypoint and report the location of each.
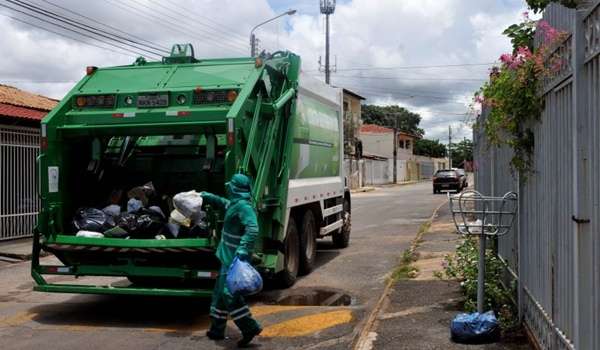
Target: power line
(172, 26)
(414, 67)
(410, 92)
(404, 94)
(82, 26)
(158, 46)
(186, 31)
(411, 79)
(64, 35)
(219, 25)
(72, 30)
(217, 30)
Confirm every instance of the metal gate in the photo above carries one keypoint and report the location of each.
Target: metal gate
(19, 203)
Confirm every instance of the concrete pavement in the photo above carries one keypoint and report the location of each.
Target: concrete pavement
(416, 313)
(384, 223)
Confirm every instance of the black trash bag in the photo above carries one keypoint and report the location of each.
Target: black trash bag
(116, 232)
(143, 223)
(475, 328)
(92, 219)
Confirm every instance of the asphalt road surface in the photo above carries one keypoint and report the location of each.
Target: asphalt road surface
(383, 224)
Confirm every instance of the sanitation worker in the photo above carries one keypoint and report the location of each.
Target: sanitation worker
(240, 228)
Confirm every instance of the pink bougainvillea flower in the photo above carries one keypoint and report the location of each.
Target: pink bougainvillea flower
(550, 33)
(524, 52)
(526, 15)
(506, 58)
(479, 99)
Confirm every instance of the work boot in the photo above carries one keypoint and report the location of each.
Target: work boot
(247, 337)
(214, 335)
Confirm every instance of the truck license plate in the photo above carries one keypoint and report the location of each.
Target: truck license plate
(153, 100)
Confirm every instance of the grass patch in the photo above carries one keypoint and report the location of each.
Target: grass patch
(405, 270)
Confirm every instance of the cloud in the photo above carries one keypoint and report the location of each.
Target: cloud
(365, 34)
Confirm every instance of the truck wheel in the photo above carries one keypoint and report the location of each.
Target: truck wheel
(287, 277)
(341, 239)
(308, 243)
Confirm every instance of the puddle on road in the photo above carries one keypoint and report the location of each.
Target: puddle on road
(311, 297)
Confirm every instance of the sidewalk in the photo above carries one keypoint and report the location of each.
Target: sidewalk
(18, 249)
(374, 187)
(417, 312)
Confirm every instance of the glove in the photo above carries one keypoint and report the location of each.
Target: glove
(242, 254)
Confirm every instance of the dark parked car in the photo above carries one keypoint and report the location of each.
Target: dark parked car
(463, 177)
(447, 180)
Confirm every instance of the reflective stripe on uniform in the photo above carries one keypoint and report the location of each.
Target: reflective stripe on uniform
(232, 236)
(243, 308)
(218, 311)
(214, 315)
(245, 314)
(231, 244)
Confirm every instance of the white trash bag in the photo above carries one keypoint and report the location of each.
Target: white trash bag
(188, 203)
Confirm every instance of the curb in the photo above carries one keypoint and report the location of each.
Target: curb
(364, 340)
(363, 189)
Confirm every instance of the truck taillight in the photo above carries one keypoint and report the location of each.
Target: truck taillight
(214, 96)
(95, 101)
(230, 132)
(44, 137)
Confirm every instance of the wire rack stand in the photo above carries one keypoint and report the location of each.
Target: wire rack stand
(477, 215)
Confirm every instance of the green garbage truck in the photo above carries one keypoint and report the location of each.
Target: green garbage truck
(184, 124)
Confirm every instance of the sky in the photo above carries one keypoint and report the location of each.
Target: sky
(428, 56)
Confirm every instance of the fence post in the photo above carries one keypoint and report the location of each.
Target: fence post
(583, 242)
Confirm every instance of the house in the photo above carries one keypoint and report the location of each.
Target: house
(18, 107)
(379, 140)
(352, 122)
(20, 116)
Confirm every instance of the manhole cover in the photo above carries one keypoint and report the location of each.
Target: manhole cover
(314, 297)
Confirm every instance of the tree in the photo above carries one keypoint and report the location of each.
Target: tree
(387, 115)
(540, 5)
(462, 151)
(430, 148)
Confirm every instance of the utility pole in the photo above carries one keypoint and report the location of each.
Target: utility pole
(450, 145)
(395, 171)
(327, 8)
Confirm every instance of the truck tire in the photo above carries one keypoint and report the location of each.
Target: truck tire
(287, 277)
(341, 239)
(308, 243)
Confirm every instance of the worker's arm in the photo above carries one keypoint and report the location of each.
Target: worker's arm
(250, 224)
(215, 201)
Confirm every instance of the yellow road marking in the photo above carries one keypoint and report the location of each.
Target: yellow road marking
(17, 319)
(263, 310)
(305, 325)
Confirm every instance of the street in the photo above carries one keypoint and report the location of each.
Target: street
(383, 224)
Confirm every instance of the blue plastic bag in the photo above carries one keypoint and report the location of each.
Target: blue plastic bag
(475, 328)
(243, 279)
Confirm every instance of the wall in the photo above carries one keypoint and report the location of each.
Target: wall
(381, 144)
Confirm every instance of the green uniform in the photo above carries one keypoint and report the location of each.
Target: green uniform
(240, 229)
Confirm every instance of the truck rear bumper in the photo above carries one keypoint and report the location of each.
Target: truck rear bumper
(88, 289)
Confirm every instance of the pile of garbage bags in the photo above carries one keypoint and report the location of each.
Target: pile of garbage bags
(141, 218)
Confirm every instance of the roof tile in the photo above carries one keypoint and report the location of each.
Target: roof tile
(16, 97)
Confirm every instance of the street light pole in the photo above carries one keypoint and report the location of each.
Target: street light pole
(253, 37)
